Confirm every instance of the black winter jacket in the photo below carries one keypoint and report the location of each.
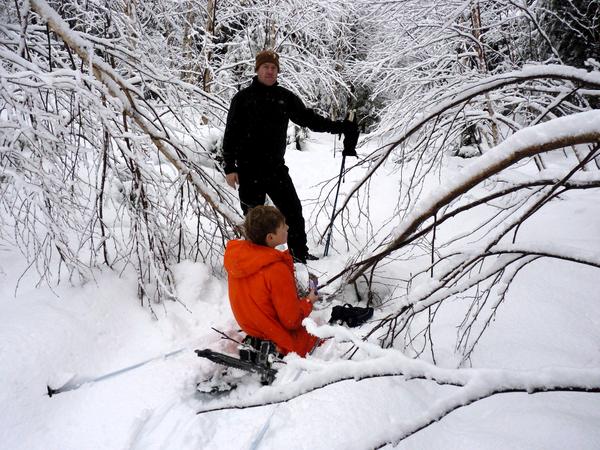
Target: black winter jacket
(257, 122)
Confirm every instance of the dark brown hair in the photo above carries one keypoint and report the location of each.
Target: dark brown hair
(260, 221)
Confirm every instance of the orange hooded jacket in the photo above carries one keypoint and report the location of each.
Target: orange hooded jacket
(263, 296)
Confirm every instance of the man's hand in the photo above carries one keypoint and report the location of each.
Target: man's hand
(232, 179)
(350, 138)
(312, 297)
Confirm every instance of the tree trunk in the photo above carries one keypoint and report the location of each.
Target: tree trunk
(211, 9)
(482, 63)
(187, 53)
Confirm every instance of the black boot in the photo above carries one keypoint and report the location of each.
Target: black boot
(302, 258)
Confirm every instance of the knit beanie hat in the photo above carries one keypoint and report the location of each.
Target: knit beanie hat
(266, 56)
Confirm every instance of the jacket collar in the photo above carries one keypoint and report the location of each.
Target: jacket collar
(258, 85)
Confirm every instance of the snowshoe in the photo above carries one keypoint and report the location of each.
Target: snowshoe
(352, 316)
(256, 356)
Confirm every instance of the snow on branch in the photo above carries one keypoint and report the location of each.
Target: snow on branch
(107, 159)
(127, 93)
(562, 251)
(471, 385)
(578, 128)
(462, 95)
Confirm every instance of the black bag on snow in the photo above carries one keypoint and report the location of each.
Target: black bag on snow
(352, 316)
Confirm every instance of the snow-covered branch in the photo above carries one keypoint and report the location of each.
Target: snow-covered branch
(464, 94)
(580, 128)
(127, 93)
(471, 385)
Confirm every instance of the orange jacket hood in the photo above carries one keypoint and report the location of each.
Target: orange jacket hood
(244, 258)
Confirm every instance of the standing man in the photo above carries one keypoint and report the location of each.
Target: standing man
(254, 146)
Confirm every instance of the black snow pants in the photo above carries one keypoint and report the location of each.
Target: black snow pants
(277, 184)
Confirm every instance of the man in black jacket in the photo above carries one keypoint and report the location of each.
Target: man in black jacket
(254, 146)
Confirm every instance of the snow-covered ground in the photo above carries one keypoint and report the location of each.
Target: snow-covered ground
(50, 336)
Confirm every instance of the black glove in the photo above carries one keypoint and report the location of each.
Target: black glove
(350, 138)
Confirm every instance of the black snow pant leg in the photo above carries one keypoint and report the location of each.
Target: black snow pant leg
(278, 185)
(283, 193)
(252, 192)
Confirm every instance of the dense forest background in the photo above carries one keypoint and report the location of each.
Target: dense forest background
(113, 112)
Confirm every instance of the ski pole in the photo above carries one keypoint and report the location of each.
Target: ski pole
(78, 382)
(349, 148)
(339, 182)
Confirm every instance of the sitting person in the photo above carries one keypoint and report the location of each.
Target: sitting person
(262, 288)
